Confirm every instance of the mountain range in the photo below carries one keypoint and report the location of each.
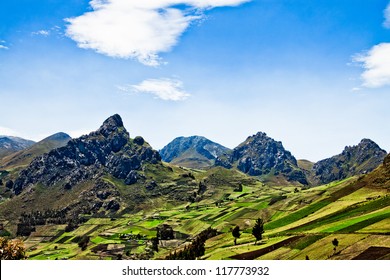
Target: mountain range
(106, 185)
(259, 155)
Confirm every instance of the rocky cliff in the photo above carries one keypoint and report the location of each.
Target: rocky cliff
(261, 155)
(354, 160)
(107, 150)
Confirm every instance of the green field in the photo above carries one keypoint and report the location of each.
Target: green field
(299, 223)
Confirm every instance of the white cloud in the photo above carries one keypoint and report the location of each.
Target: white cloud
(165, 89)
(386, 23)
(2, 46)
(44, 33)
(376, 65)
(138, 29)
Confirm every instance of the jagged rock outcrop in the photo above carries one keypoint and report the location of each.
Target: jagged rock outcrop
(193, 152)
(354, 160)
(107, 150)
(261, 155)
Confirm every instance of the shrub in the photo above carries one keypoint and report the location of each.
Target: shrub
(12, 249)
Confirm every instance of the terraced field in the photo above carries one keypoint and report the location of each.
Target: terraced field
(300, 224)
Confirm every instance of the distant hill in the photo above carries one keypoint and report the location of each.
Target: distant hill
(260, 155)
(354, 160)
(192, 152)
(11, 144)
(25, 156)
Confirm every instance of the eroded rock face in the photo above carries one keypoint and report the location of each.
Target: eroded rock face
(261, 155)
(354, 160)
(107, 150)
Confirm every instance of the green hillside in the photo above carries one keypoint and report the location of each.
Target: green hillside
(106, 195)
(299, 223)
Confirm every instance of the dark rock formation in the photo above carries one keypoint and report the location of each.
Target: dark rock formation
(107, 150)
(354, 160)
(262, 155)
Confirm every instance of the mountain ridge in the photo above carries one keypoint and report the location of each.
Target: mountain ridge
(192, 152)
(11, 144)
(24, 157)
(353, 160)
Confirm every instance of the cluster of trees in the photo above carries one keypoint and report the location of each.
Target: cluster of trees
(28, 221)
(12, 249)
(195, 249)
(257, 231)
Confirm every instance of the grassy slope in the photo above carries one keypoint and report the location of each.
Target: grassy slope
(24, 157)
(356, 211)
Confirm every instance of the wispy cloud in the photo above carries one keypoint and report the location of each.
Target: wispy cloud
(2, 45)
(42, 32)
(165, 89)
(376, 65)
(386, 23)
(138, 29)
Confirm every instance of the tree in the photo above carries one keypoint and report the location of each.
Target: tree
(12, 249)
(258, 230)
(155, 242)
(335, 243)
(83, 243)
(236, 234)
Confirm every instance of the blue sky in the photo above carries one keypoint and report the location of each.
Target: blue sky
(312, 74)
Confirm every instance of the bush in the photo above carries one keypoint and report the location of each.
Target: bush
(83, 243)
(12, 249)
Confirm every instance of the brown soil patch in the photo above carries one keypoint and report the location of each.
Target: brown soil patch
(258, 253)
(374, 253)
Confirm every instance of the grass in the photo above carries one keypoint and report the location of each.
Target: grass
(348, 211)
(302, 213)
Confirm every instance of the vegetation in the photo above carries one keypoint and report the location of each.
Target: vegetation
(295, 225)
(12, 249)
(258, 230)
(236, 234)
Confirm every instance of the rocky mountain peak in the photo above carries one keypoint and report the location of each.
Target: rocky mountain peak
(261, 155)
(354, 160)
(107, 150)
(110, 125)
